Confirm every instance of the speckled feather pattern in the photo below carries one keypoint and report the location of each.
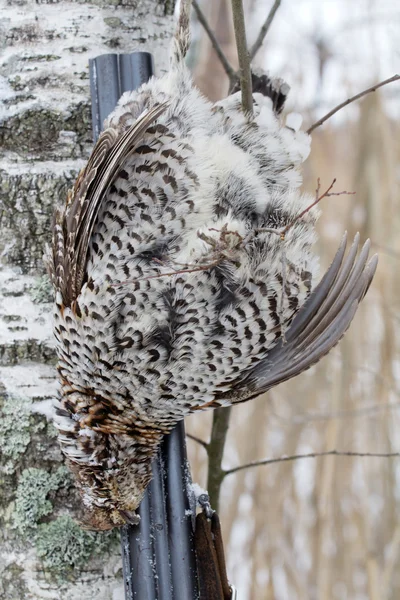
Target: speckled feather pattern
(139, 349)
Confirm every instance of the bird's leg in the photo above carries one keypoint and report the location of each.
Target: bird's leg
(252, 233)
(190, 269)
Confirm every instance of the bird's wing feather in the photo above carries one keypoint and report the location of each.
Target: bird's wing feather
(318, 326)
(77, 220)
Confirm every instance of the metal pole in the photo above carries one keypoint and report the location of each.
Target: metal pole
(158, 555)
(180, 514)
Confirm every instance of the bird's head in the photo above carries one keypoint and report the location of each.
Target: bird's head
(104, 519)
(110, 496)
(111, 462)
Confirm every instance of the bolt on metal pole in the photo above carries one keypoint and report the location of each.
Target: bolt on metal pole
(158, 554)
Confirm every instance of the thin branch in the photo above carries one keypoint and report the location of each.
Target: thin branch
(215, 451)
(318, 199)
(349, 100)
(371, 409)
(197, 440)
(229, 70)
(243, 56)
(264, 29)
(270, 461)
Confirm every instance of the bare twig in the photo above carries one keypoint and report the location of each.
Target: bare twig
(215, 451)
(318, 199)
(264, 29)
(270, 461)
(349, 100)
(197, 440)
(229, 70)
(371, 409)
(243, 56)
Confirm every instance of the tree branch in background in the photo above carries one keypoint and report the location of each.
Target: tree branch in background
(264, 29)
(369, 410)
(318, 199)
(270, 461)
(350, 100)
(215, 453)
(196, 439)
(229, 70)
(243, 56)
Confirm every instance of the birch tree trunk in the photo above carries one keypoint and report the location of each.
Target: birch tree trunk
(45, 138)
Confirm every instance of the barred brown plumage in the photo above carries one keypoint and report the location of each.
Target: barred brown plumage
(178, 185)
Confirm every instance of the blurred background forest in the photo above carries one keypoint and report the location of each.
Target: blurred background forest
(323, 528)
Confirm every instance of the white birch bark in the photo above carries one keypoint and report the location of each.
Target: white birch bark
(45, 138)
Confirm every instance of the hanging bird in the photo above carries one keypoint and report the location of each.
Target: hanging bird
(175, 291)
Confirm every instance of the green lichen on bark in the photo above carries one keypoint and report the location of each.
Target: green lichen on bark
(19, 351)
(12, 584)
(113, 22)
(31, 132)
(169, 6)
(27, 202)
(15, 430)
(32, 501)
(63, 546)
(36, 131)
(42, 291)
(26, 439)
